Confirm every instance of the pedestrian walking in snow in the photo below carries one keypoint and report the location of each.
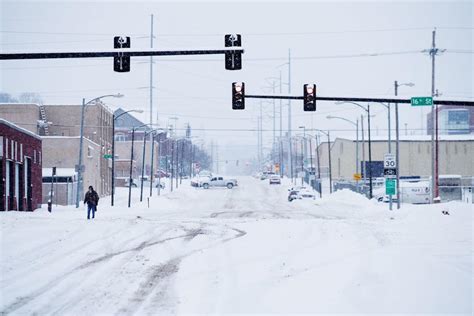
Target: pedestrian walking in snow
(92, 200)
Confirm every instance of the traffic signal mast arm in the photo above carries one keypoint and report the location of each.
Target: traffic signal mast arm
(116, 53)
(376, 100)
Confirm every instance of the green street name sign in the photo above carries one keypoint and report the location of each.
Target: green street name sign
(107, 156)
(390, 186)
(421, 101)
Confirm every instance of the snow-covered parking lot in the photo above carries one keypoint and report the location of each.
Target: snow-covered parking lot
(244, 250)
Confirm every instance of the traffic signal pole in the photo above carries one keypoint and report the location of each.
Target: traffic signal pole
(351, 99)
(116, 53)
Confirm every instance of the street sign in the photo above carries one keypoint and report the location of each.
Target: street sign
(390, 186)
(108, 156)
(357, 176)
(390, 173)
(389, 166)
(389, 161)
(421, 101)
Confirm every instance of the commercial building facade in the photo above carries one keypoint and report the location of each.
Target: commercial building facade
(20, 168)
(64, 121)
(455, 156)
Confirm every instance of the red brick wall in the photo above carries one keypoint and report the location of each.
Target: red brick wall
(31, 147)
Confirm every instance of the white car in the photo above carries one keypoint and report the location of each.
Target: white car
(306, 194)
(218, 181)
(274, 179)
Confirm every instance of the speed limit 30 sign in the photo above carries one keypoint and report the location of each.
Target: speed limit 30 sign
(390, 166)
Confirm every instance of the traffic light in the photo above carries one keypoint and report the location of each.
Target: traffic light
(309, 97)
(121, 62)
(238, 96)
(233, 61)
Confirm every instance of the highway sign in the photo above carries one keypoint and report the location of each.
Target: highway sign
(421, 101)
(390, 186)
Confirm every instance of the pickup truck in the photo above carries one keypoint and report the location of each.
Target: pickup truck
(218, 181)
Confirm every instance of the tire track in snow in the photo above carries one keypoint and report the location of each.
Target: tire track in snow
(22, 301)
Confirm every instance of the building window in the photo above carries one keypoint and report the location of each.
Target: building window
(1, 146)
(120, 137)
(39, 157)
(89, 151)
(6, 148)
(21, 152)
(34, 156)
(12, 145)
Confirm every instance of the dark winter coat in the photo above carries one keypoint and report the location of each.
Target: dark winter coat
(91, 198)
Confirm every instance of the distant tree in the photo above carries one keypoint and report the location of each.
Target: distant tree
(7, 98)
(30, 97)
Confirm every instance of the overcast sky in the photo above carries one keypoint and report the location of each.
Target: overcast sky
(330, 44)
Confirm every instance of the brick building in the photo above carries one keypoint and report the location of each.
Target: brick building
(20, 168)
(60, 125)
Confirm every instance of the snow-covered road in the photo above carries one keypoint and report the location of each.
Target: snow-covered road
(245, 250)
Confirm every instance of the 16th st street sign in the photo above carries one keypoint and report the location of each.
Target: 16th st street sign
(421, 101)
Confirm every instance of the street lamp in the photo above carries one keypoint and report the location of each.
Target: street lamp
(367, 109)
(397, 148)
(356, 124)
(329, 159)
(81, 140)
(131, 164)
(143, 162)
(113, 151)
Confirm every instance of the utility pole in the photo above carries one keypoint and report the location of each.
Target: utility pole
(397, 149)
(151, 103)
(290, 151)
(281, 133)
(434, 119)
(151, 74)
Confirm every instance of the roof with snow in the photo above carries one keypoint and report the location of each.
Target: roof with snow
(18, 128)
(60, 172)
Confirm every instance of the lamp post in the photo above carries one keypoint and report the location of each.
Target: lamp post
(356, 124)
(329, 157)
(303, 152)
(397, 147)
(131, 165)
(113, 151)
(81, 141)
(366, 109)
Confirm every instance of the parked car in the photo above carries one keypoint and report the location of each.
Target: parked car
(300, 194)
(274, 179)
(162, 174)
(218, 181)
